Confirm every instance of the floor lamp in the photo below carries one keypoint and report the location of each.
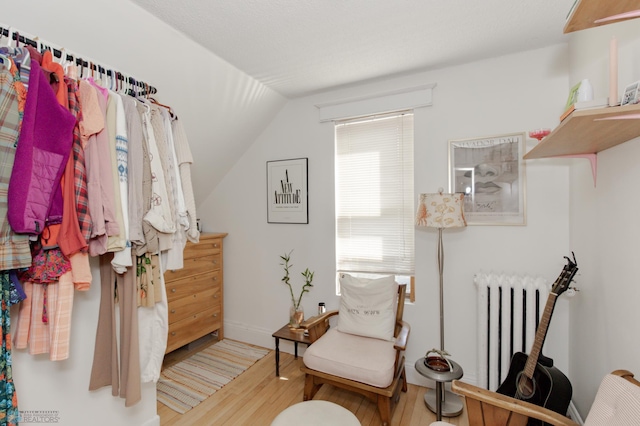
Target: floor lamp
(440, 211)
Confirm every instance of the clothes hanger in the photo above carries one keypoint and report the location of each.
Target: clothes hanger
(62, 58)
(118, 83)
(109, 73)
(114, 80)
(153, 100)
(133, 88)
(70, 68)
(9, 36)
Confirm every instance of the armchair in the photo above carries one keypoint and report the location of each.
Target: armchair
(370, 366)
(617, 403)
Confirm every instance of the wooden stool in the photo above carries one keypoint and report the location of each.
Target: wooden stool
(316, 413)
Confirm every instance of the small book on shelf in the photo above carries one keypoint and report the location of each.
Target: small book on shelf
(593, 103)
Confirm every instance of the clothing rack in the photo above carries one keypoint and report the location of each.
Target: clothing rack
(139, 88)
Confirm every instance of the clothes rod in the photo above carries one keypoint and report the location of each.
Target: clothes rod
(15, 35)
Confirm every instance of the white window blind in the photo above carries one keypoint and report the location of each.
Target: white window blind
(374, 195)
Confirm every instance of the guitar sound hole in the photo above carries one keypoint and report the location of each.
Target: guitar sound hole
(526, 387)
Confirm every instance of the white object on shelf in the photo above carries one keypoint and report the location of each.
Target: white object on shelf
(585, 92)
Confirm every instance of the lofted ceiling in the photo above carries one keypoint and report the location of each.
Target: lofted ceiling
(300, 47)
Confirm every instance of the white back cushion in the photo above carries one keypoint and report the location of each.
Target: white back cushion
(617, 403)
(367, 306)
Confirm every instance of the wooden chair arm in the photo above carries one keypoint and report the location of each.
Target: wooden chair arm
(402, 337)
(626, 374)
(510, 404)
(318, 325)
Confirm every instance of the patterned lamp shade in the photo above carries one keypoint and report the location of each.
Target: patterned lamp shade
(441, 211)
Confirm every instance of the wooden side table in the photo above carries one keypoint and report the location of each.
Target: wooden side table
(449, 406)
(293, 335)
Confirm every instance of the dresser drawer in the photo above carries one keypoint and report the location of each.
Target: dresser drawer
(182, 308)
(196, 265)
(193, 327)
(191, 285)
(205, 247)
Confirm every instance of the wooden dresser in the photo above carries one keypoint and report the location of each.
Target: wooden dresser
(195, 293)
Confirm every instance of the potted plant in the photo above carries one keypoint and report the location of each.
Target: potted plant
(296, 313)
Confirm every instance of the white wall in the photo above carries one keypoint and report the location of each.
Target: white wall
(212, 97)
(604, 228)
(514, 93)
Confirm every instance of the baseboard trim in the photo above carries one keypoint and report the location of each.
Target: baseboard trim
(572, 412)
(258, 336)
(155, 421)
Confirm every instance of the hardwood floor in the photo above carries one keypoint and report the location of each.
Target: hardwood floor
(257, 396)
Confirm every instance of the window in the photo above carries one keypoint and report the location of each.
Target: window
(375, 197)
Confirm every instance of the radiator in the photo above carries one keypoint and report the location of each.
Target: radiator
(509, 309)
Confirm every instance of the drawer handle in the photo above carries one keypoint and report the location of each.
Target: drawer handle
(215, 296)
(215, 245)
(173, 333)
(173, 290)
(173, 311)
(215, 315)
(215, 278)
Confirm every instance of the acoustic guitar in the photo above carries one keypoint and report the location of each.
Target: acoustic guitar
(528, 378)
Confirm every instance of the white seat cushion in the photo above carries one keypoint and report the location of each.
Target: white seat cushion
(358, 358)
(617, 403)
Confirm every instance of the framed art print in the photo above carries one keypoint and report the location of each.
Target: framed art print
(490, 172)
(287, 191)
(630, 95)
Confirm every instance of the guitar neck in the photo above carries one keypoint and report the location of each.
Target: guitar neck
(541, 334)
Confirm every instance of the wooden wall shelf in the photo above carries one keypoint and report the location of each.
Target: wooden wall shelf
(589, 131)
(586, 12)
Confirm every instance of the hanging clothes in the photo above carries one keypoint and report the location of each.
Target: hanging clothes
(97, 160)
(117, 184)
(151, 244)
(76, 222)
(43, 148)
(122, 372)
(79, 167)
(155, 321)
(159, 216)
(115, 242)
(135, 161)
(15, 252)
(172, 250)
(122, 257)
(9, 413)
(185, 160)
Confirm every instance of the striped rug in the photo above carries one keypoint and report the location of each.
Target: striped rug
(189, 382)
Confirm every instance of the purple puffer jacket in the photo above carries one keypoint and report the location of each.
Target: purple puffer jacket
(43, 148)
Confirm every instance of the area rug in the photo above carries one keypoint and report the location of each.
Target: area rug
(191, 381)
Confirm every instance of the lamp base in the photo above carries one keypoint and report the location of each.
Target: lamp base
(451, 405)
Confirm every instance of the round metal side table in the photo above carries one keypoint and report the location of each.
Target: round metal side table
(441, 402)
